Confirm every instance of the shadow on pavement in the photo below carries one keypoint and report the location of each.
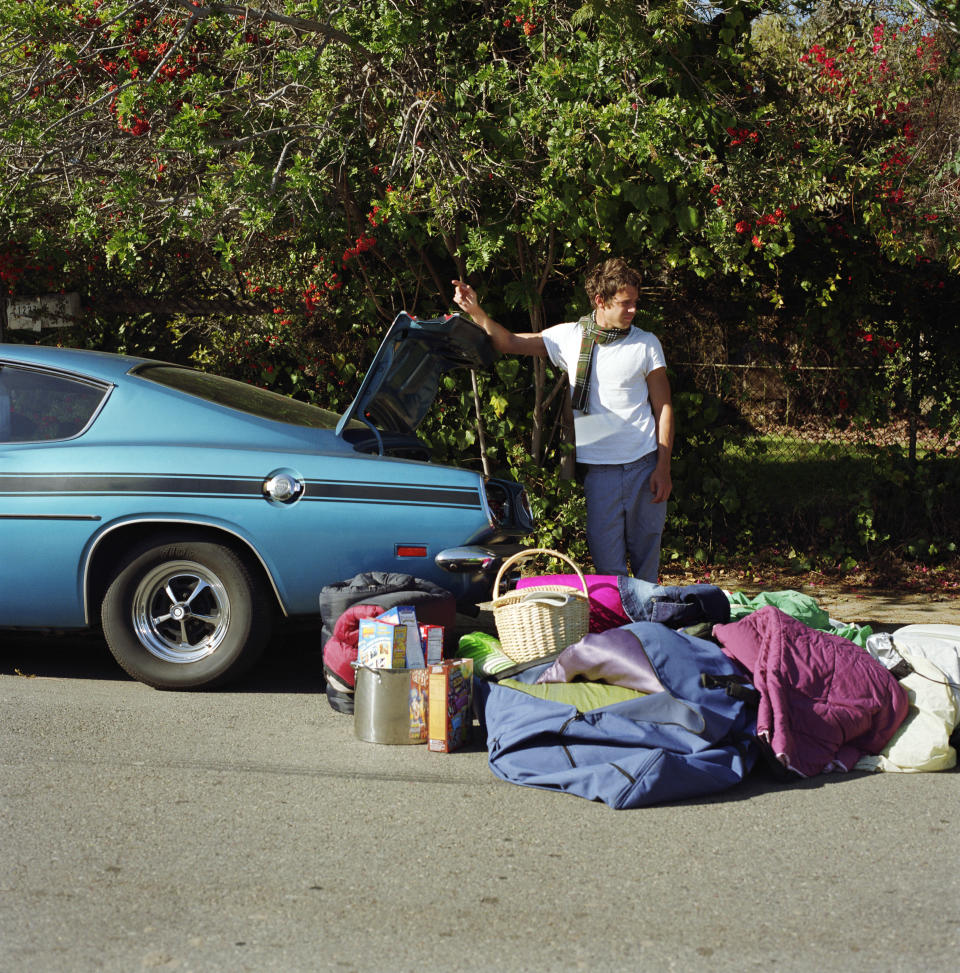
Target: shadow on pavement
(291, 663)
(57, 654)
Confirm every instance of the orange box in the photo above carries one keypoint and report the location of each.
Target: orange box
(450, 704)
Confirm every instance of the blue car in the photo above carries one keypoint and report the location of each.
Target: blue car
(187, 513)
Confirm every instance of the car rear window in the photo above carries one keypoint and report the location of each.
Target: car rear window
(239, 395)
(38, 405)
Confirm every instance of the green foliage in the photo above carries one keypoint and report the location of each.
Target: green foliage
(709, 510)
(837, 504)
(260, 191)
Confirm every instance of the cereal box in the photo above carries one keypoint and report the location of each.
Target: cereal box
(450, 710)
(431, 638)
(419, 704)
(381, 645)
(406, 615)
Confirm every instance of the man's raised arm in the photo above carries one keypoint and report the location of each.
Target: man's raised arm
(503, 340)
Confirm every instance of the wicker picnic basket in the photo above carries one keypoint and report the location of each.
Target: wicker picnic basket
(542, 619)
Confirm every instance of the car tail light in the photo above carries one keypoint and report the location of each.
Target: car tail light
(411, 550)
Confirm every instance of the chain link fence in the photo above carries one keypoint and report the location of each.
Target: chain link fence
(817, 460)
(796, 411)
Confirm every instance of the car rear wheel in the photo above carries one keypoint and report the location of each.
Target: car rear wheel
(181, 613)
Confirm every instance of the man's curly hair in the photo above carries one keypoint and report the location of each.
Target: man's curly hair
(607, 278)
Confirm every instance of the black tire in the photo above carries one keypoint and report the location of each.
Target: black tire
(181, 613)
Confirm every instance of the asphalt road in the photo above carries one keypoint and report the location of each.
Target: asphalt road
(250, 829)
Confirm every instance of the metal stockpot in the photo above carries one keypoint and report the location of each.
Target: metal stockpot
(390, 705)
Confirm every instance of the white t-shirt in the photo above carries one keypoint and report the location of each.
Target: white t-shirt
(619, 426)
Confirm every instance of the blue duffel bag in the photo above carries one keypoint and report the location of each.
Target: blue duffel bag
(696, 735)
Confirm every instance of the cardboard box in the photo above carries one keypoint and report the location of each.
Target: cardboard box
(406, 615)
(420, 704)
(450, 706)
(381, 645)
(431, 638)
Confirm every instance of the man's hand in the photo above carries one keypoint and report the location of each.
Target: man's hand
(506, 342)
(661, 483)
(465, 297)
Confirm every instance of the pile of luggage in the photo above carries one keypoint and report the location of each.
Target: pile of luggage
(673, 692)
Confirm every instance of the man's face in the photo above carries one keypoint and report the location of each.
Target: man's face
(618, 311)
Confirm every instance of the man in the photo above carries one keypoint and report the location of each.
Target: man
(623, 414)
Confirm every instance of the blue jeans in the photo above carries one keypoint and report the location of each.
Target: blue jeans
(622, 520)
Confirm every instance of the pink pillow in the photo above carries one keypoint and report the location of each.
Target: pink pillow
(341, 647)
(606, 609)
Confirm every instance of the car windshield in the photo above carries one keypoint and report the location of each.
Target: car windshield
(240, 396)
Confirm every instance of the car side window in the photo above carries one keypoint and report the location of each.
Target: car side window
(36, 406)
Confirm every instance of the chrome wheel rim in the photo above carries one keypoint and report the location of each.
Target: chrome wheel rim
(181, 612)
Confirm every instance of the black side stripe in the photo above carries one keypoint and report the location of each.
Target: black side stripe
(391, 493)
(108, 483)
(327, 491)
(93, 517)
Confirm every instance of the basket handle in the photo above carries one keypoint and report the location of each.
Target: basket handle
(534, 550)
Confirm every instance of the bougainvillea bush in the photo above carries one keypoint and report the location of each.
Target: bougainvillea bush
(258, 190)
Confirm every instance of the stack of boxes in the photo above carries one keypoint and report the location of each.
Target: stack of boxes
(441, 690)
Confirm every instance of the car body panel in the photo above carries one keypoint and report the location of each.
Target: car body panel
(155, 456)
(58, 515)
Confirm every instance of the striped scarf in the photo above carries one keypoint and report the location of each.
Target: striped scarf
(593, 335)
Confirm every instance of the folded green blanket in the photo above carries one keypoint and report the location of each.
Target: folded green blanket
(484, 649)
(801, 607)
